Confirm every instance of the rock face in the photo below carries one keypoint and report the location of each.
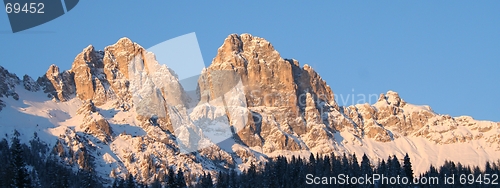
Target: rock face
(276, 90)
(88, 74)
(109, 75)
(131, 78)
(60, 86)
(94, 123)
(102, 76)
(8, 84)
(293, 108)
(30, 84)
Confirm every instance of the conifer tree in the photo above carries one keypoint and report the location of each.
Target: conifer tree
(221, 180)
(121, 183)
(156, 183)
(395, 167)
(407, 168)
(115, 183)
(171, 177)
(130, 181)
(366, 165)
(327, 167)
(252, 172)
(206, 181)
(355, 168)
(5, 165)
(21, 176)
(233, 178)
(382, 168)
(179, 179)
(312, 164)
(345, 164)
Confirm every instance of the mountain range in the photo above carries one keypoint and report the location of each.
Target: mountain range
(130, 111)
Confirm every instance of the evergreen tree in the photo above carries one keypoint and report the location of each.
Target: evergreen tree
(233, 179)
(336, 166)
(221, 180)
(382, 168)
(394, 166)
(488, 168)
(460, 168)
(327, 167)
(121, 183)
(21, 177)
(268, 175)
(63, 180)
(156, 183)
(130, 181)
(115, 183)
(318, 169)
(206, 181)
(476, 171)
(87, 178)
(252, 173)
(366, 167)
(355, 168)
(171, 177)
(179, 179)
(5, 165)
(407, 168)
(345, 165)
(312, 164)
(433, 172)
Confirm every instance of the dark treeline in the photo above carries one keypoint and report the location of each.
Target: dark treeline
(34, 164)
(281, 172)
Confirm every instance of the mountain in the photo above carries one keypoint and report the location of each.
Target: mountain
(133, 116)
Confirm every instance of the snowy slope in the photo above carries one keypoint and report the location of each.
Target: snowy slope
(50, 119)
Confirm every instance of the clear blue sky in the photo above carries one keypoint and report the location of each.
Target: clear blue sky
(445, 54)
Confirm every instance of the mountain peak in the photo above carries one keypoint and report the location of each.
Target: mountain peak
(8, 83)
(239, 50)
(124, 40)
(246, 40)
(53, 70)
(393, 98)
(125, 44)
(272, 84)
(59, 85)
(245, 37)
(89, 48)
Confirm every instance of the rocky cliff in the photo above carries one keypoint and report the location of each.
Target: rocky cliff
(294, 109)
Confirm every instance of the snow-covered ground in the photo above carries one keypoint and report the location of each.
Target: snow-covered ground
(34, 112)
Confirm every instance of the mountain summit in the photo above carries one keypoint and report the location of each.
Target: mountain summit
(132, 115)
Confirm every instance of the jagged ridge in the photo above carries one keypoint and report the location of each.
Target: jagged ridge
(135, 112)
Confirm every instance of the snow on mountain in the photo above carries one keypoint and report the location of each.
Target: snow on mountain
(133, 116)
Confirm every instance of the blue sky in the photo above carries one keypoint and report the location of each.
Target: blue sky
(445, 54)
